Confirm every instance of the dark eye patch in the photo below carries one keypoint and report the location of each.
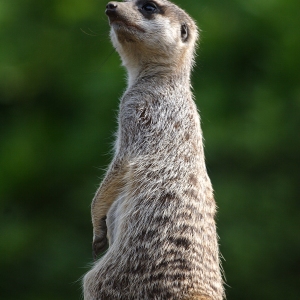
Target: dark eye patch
(149, 7)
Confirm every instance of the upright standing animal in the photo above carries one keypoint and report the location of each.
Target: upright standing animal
(155, 204)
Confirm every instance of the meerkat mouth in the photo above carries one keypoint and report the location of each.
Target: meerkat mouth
(117, 20)
(121, 23)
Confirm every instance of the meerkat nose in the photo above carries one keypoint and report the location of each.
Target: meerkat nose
(111, 8)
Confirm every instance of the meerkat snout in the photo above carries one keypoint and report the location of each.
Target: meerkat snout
(111, 7)
(111, 11)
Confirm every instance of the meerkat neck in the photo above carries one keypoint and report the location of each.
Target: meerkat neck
(161, 71)
(139, 63)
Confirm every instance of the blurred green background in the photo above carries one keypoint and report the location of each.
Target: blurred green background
(60, 82)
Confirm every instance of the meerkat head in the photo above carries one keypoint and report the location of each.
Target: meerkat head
(157, 34)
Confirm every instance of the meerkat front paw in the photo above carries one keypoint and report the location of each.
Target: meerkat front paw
(100, 241)
(99, 245)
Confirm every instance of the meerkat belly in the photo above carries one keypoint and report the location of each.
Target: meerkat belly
(156, 245)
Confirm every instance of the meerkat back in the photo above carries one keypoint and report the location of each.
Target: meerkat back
(155, 205)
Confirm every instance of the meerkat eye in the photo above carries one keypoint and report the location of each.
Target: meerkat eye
(149, 7)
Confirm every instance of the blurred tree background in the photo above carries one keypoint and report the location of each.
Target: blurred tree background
(60, 82)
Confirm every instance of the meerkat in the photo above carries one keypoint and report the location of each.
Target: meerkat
(155, 205)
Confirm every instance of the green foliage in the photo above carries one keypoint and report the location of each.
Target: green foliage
(59, 90)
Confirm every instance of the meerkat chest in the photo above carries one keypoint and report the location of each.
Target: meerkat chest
(157, 107)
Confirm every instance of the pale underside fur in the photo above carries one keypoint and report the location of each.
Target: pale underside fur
(156, 194)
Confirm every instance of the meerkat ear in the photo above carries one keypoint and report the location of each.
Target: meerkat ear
(184, 32)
